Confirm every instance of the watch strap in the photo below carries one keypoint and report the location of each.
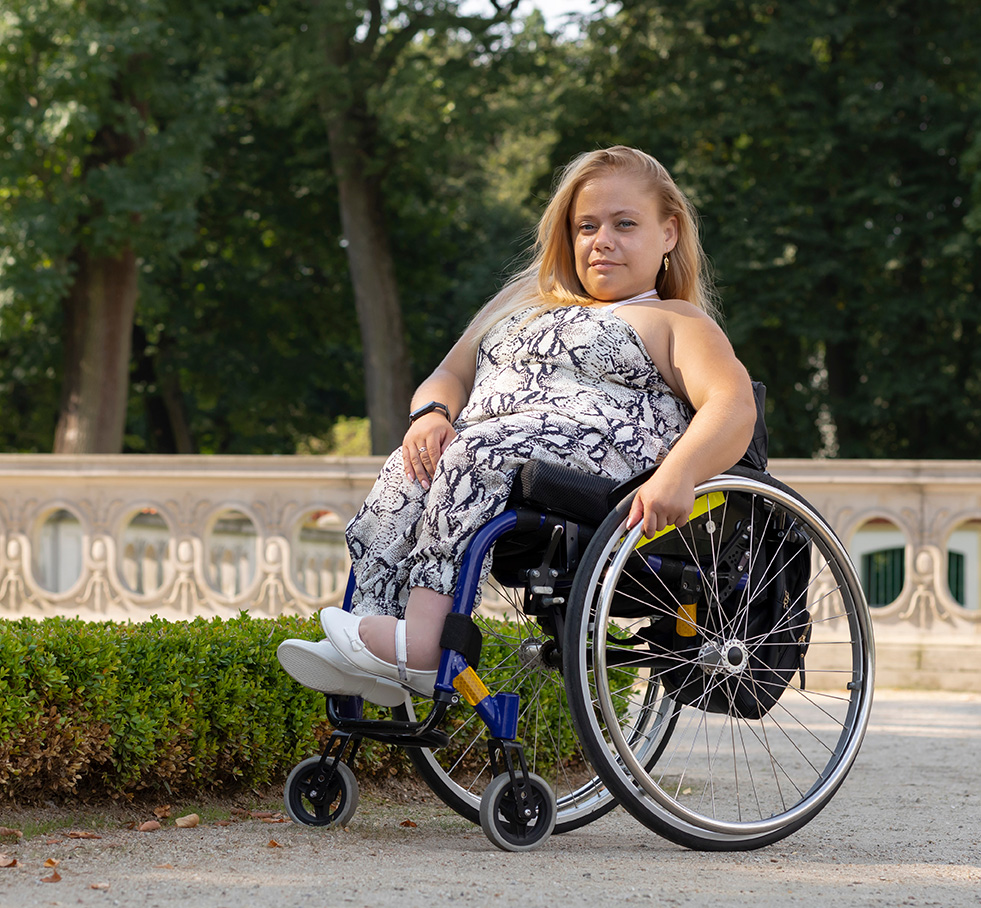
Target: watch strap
(431, 407)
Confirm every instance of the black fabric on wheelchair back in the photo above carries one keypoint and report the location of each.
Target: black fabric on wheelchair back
(566, 491)
(778, 617)
(756, 454)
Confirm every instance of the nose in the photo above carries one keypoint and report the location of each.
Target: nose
(603, 238)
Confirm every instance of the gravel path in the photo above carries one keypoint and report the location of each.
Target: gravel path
(905, 829)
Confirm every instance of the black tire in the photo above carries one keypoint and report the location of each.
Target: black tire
(500, 815)
(308, 803)
(726, 779)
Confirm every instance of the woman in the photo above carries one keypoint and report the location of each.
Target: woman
(602, 354)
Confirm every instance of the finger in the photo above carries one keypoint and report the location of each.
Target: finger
(651, 524)
(636, 513)
(419, 461)
(654, 522)
(430, 452)
(415, 470)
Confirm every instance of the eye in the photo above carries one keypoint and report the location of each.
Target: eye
(626, 223)
(586, 226)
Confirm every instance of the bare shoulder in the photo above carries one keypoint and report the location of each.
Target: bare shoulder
(688, 347)
(662, 323)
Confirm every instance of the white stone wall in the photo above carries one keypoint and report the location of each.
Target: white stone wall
(126, 537)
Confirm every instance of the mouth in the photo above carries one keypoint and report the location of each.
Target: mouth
(603, 265)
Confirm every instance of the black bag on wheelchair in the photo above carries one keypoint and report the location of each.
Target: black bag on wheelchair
(754, 640)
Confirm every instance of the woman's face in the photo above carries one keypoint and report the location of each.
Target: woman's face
(618, 236)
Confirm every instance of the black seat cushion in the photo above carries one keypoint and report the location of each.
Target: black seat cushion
(563, 490)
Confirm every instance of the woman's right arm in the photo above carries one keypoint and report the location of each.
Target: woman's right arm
(427, 437)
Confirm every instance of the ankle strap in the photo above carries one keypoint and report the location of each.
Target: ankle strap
(401, 649)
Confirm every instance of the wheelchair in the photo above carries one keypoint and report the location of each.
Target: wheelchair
(715, 680)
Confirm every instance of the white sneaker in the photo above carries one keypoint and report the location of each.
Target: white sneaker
(320, 667)
(341, 628)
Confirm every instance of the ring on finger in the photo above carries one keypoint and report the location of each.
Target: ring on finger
(422, 450)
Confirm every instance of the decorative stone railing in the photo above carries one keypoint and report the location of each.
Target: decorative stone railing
(126, 537)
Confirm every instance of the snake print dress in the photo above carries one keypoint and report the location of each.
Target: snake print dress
(574, 385)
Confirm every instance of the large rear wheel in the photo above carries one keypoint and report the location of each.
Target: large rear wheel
(756, 749)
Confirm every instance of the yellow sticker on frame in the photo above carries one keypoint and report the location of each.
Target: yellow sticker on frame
(703, 504)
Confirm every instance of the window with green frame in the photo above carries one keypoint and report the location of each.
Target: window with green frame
(956, 565)
(883, 575)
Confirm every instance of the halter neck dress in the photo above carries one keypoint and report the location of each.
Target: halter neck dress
(573, 385)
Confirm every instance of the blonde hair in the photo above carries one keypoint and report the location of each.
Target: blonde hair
(550, 280)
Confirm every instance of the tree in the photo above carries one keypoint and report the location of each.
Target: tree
(345, 69)
(105, 114)
(825, 144)
(251, 335)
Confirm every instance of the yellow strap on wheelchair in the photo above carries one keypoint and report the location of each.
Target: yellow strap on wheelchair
(703, 504)
(469, 684)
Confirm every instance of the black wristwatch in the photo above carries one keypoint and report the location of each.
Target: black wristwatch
(429, 408)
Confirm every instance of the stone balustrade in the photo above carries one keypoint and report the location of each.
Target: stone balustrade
(126, 537)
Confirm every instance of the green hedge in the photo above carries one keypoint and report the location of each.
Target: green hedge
(109, 709)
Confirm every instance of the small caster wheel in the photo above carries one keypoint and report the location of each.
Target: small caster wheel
(501, 818)
(310, 802)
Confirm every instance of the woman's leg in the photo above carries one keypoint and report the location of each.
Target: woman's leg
(424, 616)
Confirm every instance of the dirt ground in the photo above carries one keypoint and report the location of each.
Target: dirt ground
(905, 829)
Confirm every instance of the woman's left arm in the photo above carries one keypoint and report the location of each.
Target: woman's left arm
(698, 363)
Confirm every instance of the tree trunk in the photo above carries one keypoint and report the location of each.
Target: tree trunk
(98, 337)
(388, 378)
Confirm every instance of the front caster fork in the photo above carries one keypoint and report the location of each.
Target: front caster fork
(510, 753)
(341, 748)
(517, 809)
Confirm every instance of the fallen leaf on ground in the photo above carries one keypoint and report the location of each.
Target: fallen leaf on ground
(54, 878)
(163, 866)
(6, 830)
(409, 824)
(161, 813)
(149, 826)
(223, 823)
(273, 819)
(83, 835)
(103, 886)
(261, 814)
(188, 822)
(7, 861)
(51, 863)
(273, 844)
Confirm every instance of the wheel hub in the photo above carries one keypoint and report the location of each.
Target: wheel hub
(531, 652)
(730, 657)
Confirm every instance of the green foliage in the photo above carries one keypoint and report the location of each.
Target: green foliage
(833, 150)
(106, 114)
(105, 110)
(262, 297)
(827, 147)
(107, 709)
